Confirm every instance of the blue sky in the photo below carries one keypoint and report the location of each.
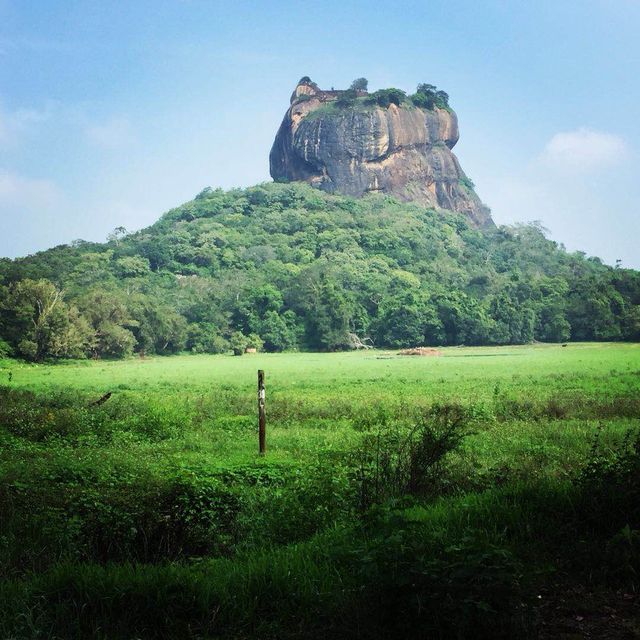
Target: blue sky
(113, 112)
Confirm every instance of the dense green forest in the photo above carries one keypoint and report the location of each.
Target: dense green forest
(285, 267)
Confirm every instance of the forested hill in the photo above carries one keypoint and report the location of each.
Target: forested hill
(290, 267)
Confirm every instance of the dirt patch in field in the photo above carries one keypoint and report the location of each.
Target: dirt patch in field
(572, 611)
(420, 351)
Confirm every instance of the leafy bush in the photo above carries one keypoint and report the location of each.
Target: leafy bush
(205, 338)
(394, 462)
(427, 96)
(386, 97)
(467, 183)
(461, 589)
(611, 478)
(238, 343)
(346, 98)
(5, 349)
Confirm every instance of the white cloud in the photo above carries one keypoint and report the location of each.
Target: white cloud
(584, 150)
(581, 186)
(116, 133)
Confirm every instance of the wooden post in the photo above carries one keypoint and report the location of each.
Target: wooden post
(262, 418)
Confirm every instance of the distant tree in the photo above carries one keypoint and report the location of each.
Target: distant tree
(238, 343)
(593, 311)
(631, 323)
(205, 338)
(74, 336)
(427, 96)
(157, 327)
(111, 321)
(6, 351)
(279, 331)
(116, 235)
(442, 98)
(92, 267)
(410, 320)
(426, 88)
(205, 193)
(37, 321)
(386, 97)
(359, 84)
(132, 267)
(114, 340)
(254, 341)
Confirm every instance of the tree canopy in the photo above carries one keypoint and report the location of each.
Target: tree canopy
(359, 84)
(286, 266)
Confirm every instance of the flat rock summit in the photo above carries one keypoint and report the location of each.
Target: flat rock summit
(352, 142)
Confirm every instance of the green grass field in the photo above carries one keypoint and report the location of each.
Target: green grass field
(484, 474)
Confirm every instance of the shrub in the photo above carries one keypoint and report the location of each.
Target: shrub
(346, 98)
(611, 480)
(467, 183)
(386, 97)
(254, 341)
(5, 349)
(394, 463)
(205, 338)
(238, 343)
(427, 96)
(464, 588)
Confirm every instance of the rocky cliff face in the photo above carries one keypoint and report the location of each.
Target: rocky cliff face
(401, 150)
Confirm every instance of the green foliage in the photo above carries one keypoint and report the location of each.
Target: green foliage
(254, 341)
(346, 98)
(386, 97)
(612, 476)
(141, 516)
(467, 183)
(427, 96)
(205, 338)
(109, 317)
(238, 343)
(393, 463)
(132, 267)
(5, 349)
(303, 269)
(359, 84)
(39, 324)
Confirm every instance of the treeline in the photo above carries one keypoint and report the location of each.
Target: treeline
(285, 266)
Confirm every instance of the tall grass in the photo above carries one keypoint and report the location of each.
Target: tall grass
(398, 498)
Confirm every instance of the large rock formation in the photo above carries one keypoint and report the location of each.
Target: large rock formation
(401, 150)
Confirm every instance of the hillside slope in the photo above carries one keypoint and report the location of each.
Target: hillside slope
(295, 267)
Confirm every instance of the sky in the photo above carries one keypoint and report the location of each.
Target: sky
(112, 113)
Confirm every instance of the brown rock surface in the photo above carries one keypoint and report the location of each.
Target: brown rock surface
(404, 151)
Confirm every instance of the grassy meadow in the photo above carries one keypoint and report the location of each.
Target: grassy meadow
(455, 495)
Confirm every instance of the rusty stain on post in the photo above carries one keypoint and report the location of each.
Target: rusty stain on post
(262, 417)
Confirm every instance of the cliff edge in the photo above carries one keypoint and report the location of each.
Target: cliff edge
(353, 143)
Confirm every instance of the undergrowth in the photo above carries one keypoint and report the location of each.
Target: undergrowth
(150, 514)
